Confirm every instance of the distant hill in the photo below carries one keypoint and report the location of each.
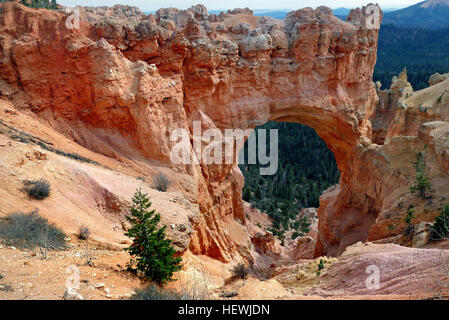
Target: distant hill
(277, 14)
(341, 11)
(430, 14)
(422, 51)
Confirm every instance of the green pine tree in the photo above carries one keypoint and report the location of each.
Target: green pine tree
(422, 183)
(440, 228)
(408, 219)
(152, 254)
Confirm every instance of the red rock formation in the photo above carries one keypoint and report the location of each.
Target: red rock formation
(121, 86)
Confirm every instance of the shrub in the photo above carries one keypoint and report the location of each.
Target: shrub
(161, 182)
(240, 271)
(29, 231)
(152, 254)
(295, 235)
(410, 215)
(37, 189)
(153, 292)
(408, 219)
(302, 226)
(440, 228)
(422, 183)
(5, 288)
(83, 232)
(19, 138)
(320, 267)
(246, 194)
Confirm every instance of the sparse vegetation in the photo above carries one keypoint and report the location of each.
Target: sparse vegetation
(161, 182)
(195, 287)
(408, 219)
(278, 233)
(440, 228)
(37, 189)
(152, 254)
(153, 292)
(422, 183)
(19, 138)
(295, 235)
(83, 233)
(240, 271)
(30, 230)
(320, 267)
(88, 256)
(5, 288)
(301, 226)
(31, 139)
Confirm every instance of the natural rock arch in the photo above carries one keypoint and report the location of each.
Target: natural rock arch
(118, 84)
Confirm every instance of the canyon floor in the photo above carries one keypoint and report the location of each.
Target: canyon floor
(405, 273)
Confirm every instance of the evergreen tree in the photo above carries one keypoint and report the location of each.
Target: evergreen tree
(423, 52)
(246, 193)
(306, 168)
(152, 254)
(440, 228)
(422, 183)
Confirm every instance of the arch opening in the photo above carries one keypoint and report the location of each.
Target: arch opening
(306, 168)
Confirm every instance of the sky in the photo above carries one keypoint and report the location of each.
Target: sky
(152, 5)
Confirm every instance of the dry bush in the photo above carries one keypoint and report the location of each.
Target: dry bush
(83, 233)
(161, 182)
(30, 231)
(37, 189)
(240, 271)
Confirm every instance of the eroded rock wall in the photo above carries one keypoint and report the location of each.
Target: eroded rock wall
(121, 83)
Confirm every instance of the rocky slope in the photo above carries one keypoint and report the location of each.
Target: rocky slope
(118, 86)
(92, 110)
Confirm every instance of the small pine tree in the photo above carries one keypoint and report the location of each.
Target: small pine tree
(320, 267)
(440, 228)
(408, 219)
(246, 193)
(152, 254)
(422, 183)
(410, 215)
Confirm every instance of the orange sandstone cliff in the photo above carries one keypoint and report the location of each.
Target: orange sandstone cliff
(123, 81)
